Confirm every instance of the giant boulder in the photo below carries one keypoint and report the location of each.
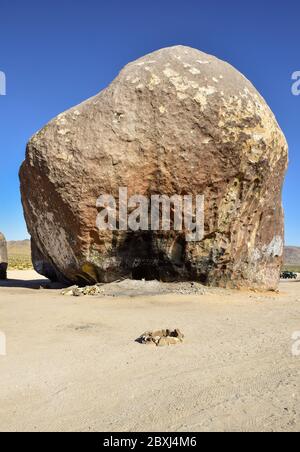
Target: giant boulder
(176, 121)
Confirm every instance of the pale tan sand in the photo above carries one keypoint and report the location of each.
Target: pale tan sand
(73, 364)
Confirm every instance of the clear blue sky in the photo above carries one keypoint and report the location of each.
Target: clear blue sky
(57, 53)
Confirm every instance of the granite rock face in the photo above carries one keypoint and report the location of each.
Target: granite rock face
(176, 121)
(3, 257)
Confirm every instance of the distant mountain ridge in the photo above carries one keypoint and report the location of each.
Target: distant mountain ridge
(19, 254)
(292, 255)
(21, 247)
(25, 242)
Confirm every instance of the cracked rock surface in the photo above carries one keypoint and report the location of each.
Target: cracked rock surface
(176, 121)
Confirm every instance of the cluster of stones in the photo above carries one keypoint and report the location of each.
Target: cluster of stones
(76, 291)
(161, 338)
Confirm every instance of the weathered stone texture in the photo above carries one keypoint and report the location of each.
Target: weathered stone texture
(176, 121)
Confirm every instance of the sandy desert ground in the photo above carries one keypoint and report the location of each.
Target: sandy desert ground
(72, 364)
